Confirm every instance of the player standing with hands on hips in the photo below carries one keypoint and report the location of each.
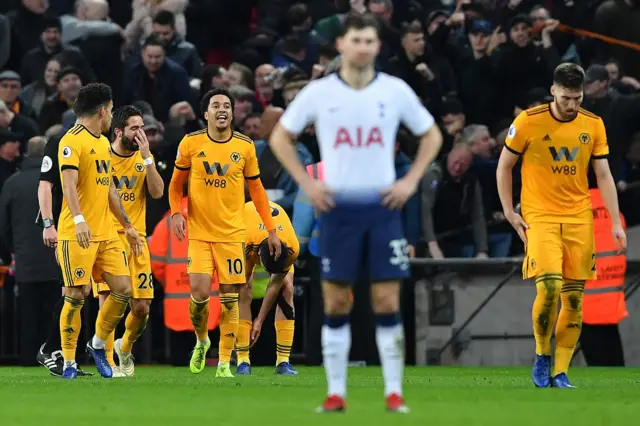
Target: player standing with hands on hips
(557, 141)
(356, 114)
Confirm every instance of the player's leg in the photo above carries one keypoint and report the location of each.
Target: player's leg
(112, 260)
(76, 264)
(141, 296)
(50, 355)
(579, 265)
(243, 340)
(285, 322)
(200, 270)
(341, 247)
(543, 263)
(229, 259)
(101, 292)
(388, 262)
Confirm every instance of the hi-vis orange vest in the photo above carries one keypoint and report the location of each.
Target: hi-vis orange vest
(169, 266)
(603, 301)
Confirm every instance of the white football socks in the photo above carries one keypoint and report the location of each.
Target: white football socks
(336, 344)
(390, 341)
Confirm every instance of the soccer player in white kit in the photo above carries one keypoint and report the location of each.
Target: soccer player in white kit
(356, 114)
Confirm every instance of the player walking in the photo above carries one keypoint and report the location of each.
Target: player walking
(556, 142)
(217, 162)
(356, 114)
(279, 289)
(88, 240)
(134, 172)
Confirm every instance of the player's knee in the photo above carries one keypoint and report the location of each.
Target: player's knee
(287, 309)
(140, 308)
(385, 299)
(75, 292)
(337, 305)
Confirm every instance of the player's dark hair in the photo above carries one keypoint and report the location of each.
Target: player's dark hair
(204, 103)
(91, 98)
(297, 15)
(153, 40)
(122, 115)
(357, 21)
(165, 18)
(569, 76)
(270, 265)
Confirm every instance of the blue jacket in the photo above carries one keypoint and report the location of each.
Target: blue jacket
(285, 182)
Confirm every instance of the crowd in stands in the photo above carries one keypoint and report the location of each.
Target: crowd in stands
(475, 64)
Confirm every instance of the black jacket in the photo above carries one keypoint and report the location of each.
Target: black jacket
(35, 262)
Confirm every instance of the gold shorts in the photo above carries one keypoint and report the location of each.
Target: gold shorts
(227, 259)
(79, 265)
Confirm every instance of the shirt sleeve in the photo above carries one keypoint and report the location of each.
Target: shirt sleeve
(600, 145)
(301, 111)
(49, 167)
(412, 113)
(183, 158)
(516, 140)
(69, 153)
(251, 167)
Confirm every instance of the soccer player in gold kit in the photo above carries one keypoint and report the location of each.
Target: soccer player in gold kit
(134, 173)
(556, 142)
(217, 161)
(88, 243)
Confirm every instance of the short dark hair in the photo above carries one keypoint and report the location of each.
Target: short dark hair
(91, 98)
(327, 50)
(297, 14)
(357, 21)
(292, 44)
(123, 114)
(204, 103)
(271, 265)
(153, 40)
(412, 28)
(164, 17)
(569, 75)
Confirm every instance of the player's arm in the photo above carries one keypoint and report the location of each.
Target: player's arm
(116, 207)
(176, 188)
(48, 169)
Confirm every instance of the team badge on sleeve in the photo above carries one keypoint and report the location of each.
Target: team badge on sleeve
(47, 164)
(66, 152)
(512, 131)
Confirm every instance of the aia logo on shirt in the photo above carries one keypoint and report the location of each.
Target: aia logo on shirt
(360, 138)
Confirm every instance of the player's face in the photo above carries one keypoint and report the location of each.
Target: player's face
(359, 48)
(567, 101)
(134, 124)
(106, 117)
(220, 112)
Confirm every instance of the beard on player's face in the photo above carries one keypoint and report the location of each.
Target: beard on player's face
(128, 143)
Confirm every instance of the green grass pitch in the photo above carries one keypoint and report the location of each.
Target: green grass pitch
(439, 396)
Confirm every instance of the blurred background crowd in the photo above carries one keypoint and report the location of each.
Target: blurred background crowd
(474, 63)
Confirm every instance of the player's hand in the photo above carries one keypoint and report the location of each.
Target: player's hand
(255, 331)
(179, 225)
(320, 195)
(519, 225)
(143, 143)
(619, 237)
(425, 71)
(134, 240)
(275, 246)
(397, 195)
(411, 251)
(83, 234)
(434, 250)
(50, 237)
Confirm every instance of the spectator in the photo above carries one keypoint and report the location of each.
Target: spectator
(35, 61)
(620, 19)
(245, 101)
(17, 123)
(292, 53)
(241, 75)
(141, 25)
(299, 20)
(37, 273)
(10, 93)
(70, 80)
(5, 41)
(534, 97)
(89, 21)
(326, 54)
(622, 83)
(37, 92)
(451, 200)
(453, 120)
(27, 23)
(252, 124)
(176, 47)
(157, 80)
(9, 151)
(280, 186)
(330, 27)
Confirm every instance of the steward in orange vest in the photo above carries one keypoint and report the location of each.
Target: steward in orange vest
(603, 303)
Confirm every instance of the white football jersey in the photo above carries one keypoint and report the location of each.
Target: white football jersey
(356, 129)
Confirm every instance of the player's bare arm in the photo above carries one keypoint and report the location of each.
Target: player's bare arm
(70, 191)
(45, 201)
(397, 195)
(505, 191)
(607, 188)
(155, 184)
(178, 221)
(282, 144)
(276, 282)
(116, 207)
